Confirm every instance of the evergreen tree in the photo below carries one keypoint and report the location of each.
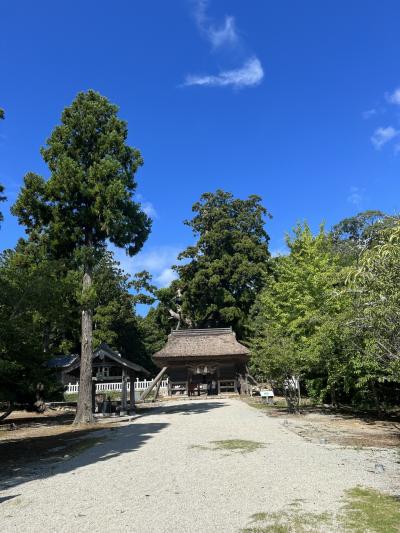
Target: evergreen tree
(87, 201)
(2, 197)
(225, 269)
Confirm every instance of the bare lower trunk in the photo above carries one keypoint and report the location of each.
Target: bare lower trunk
(8, 412)
(39, 404)
(84, 414)
(132, 392)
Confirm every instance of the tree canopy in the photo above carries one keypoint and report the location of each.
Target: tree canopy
(86, 202)
(2, 197)
(222, 273)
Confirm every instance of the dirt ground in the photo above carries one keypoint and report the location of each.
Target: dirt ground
(341, 428)
(27, 437)
(215, 462)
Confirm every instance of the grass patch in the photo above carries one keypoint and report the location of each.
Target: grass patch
(365, 511)
(234, 445)
(370, 510)
(79, 446)
(288, 522)
(238, 445)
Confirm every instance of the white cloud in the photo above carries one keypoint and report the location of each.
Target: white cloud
(149, 209)
(156, 260)
(356, 196)
(249, 75)
(394, 98)
(166, 277)
(369, 113)
(224, 35)
(381, 136)
(217, 36)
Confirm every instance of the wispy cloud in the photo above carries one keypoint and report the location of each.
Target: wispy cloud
(249, 75)
(223, 35)
(369, 113)
(166, 277)
(156, 260)
(356, 196)
(381, 136)
(394, 97)
(147, 207)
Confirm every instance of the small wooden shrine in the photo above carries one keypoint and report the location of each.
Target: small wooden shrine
(203, 361)
(108, 366)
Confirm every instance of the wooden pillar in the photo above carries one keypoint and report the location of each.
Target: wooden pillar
(157, 390)
(93, 395)
(154, 383)
(124, 393)
(132, 392)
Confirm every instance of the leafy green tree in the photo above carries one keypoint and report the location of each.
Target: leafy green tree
(351, 236)
(38, 318)
(2, 197)
(291, 307)
(87, 201)
(375, 281)
(223, 272)
(115, 321)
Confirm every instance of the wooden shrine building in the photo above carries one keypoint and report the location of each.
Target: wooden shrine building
(108, 366)
(203, 361)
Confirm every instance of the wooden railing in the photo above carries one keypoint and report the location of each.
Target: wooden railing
(140, 385)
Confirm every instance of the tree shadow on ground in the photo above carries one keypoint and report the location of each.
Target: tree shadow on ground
(41, 456)
(23, 460)
(187, 408)
(37, 421)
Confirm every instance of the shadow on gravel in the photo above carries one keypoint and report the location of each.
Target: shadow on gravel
(6, 498)
(24, 460)
(188, 408)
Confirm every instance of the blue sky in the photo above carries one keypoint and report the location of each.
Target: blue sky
(298, 102)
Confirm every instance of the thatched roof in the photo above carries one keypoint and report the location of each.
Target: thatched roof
(201, 343)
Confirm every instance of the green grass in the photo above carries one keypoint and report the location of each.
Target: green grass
(74, 447)
(243, 446)
(234, 445)
(364, 511)
(288, 522)
(370, 510)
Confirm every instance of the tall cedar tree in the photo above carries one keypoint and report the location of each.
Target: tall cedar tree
(2, 198)
(227, 265)
(87, 201)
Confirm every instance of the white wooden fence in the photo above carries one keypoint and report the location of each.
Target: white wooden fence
(100, 387)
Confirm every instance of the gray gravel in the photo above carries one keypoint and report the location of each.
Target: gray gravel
(158, 474)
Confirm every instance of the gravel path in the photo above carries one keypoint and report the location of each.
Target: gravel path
(161, 474)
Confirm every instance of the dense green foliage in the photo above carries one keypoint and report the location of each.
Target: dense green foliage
(223, 272)
(87, 201)
(325, 315)
(2, 197)
(330, 313)
(39, 317)
(89, 195)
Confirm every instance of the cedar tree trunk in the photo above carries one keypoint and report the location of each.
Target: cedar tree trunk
(84, 414)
